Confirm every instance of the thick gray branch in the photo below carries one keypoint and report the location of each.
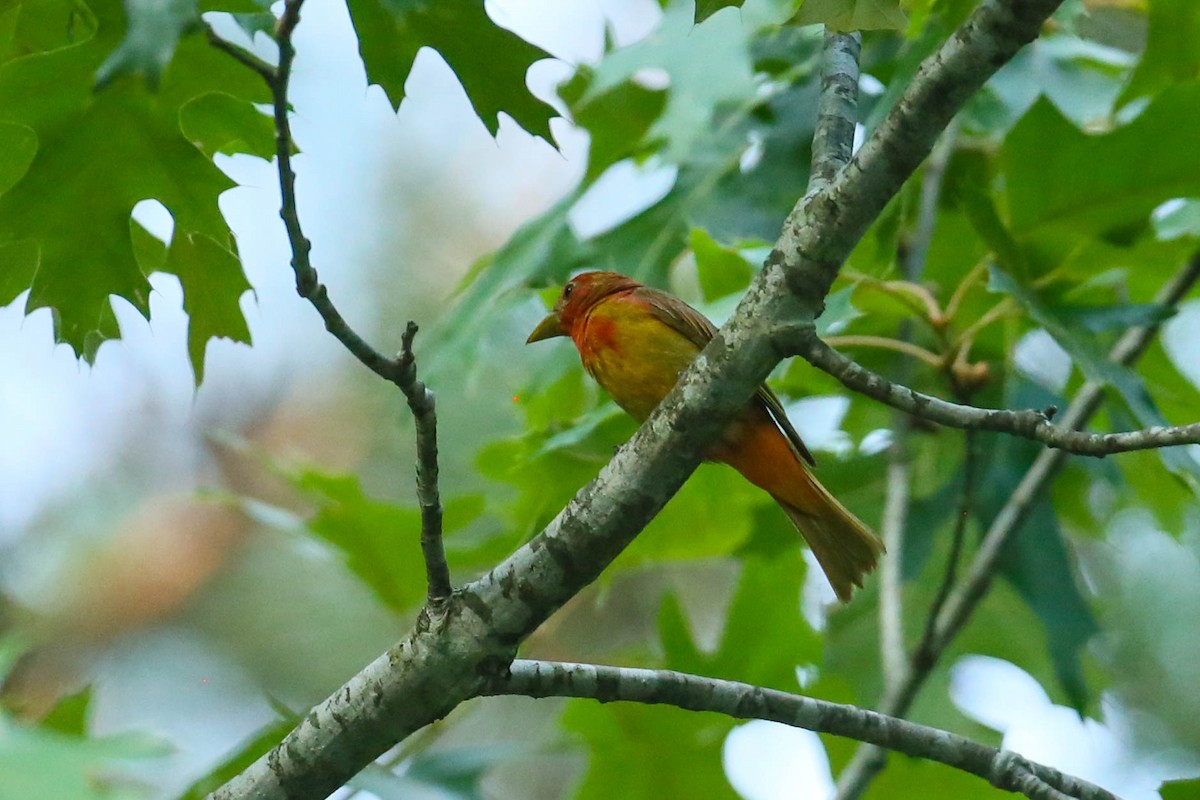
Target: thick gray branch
(454, 647)
(1028, 423)
(1004, 770)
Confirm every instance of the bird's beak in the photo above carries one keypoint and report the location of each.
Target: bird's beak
(548, 328)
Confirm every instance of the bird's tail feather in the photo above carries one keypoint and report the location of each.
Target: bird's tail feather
(845, 548)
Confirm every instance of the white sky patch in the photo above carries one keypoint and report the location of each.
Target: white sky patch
(1043, 360)
(1180, 335)
(770, 761)
(623, 191)
(870, 85)
(818, 420)
(1005, 698)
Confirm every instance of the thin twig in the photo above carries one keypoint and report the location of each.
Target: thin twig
(424, 409)
(265, 71)
(958, 608)
(1004, 769)
(884, 343)
(1028, 423)
(964, 286)
(402, 370)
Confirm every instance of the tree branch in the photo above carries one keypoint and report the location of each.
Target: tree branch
(455, 647)
(837, 108)
(1028, 423)
(265, 71)
(1005, 770)
(402, 370)
(423, 404)
(962, 603)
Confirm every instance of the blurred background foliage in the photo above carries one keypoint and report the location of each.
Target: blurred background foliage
(193, 558)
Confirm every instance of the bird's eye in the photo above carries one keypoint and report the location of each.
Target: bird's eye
(568, 289)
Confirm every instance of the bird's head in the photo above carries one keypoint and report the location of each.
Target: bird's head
(577, 298)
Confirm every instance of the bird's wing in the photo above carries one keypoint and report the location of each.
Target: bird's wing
(699, 330)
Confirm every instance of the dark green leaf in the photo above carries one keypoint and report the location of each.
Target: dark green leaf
(617, 119)
(1100, 319)
(1035, 560)
(707, 65)
(71, 177)
(489, 61)
(18, 144)
(1057, 175)
(706, 8)
(1180, 790)
(213, 284)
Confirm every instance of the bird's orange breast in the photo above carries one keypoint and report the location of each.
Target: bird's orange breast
(635, 356)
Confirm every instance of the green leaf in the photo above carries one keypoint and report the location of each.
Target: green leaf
(71, 179)
(381, 542)
(490, 62)
(618, 119)
(853, 15)
(1080, 77)
(1099, 319)
(70, 714)
(213, 284)
(1147, 582)
(1180, 790)
(220, 123)
(722, 270)
(459, 770)
(1105, 184)
(1171, 55)
(639, 752)
(542, 251)
(706, 8)
(154, 29)
(706, 64)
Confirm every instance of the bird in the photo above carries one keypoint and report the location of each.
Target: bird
(635, 340)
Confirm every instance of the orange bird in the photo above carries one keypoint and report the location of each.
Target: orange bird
(635, 341)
